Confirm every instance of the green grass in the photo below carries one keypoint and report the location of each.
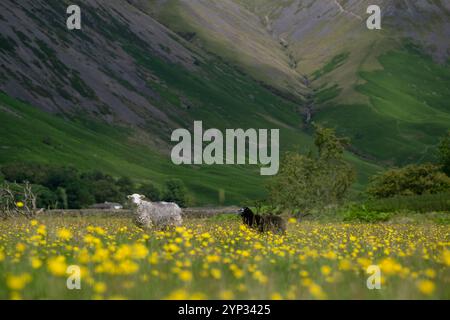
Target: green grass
(409, 109)
(92, 145)
(326, 94)
(336, 62)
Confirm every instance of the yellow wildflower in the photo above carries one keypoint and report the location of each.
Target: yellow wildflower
(57, 265)
(185, 275)
(216, 274)
(316, 291)
(18, 282)
(226, 295)
(427, 287)
(64, 234)
(36, 263)
(326, 270)
(100, 287)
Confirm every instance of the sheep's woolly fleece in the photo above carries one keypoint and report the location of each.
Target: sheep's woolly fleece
(158, 214)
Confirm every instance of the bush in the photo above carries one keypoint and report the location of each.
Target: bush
(63, 200)
(151, 191)
(45, 198)
(126, 185)
(176, 192)
(362, 214)
(104, 190)
(79, 195)
(410, 180)
(20, 172)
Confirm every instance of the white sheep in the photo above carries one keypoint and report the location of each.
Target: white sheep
(155, 214)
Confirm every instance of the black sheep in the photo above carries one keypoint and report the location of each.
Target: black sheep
(261, 223)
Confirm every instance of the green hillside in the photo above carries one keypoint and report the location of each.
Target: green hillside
(383, 91)
(409, 108)
(27, 134)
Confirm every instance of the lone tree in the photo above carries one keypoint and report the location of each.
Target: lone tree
(314, 180)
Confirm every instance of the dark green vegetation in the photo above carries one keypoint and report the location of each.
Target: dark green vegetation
(175, 191)
(422, 203)
(64, 187)
(434, 207)
(362, 214)
(410, 180)
(404, 191)
(333, 64)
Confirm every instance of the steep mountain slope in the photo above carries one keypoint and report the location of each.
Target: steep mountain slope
(322, 29)
(89, 72)
(329, 48)
(297, 37)
(232, 32)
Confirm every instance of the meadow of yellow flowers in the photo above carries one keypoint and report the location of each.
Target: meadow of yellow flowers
(209, 259)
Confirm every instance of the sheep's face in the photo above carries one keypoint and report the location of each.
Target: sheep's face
(136, 198)
(245, 211)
